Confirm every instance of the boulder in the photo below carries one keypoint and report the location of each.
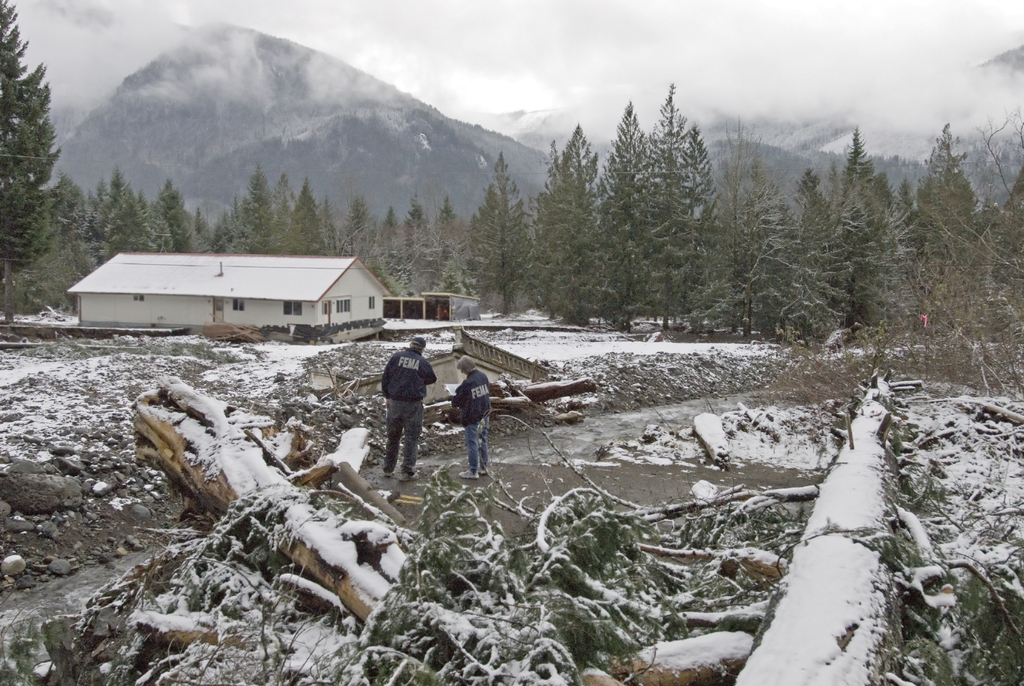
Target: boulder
(69, 466)
(13, 565)
(59, 567)
(19, 466)
(141, 512)
(62, 450)
(19, 525)
(40, 493)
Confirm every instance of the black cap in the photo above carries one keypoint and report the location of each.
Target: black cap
(418, 343)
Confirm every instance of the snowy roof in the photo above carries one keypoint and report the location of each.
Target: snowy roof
(259, 277)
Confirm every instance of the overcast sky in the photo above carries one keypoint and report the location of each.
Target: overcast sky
(908, 64)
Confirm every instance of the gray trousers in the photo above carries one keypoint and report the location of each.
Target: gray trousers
(404, 416)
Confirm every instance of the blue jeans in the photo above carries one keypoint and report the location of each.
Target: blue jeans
(404, 416)
(476, 444)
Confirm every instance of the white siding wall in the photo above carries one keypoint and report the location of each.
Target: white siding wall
(154, 310)
(268, 312)
(179, 310)
(357, 284)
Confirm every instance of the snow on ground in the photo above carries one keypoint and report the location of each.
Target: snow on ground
(560, 346)
(790, 438)
(71, 384)
(976, 459)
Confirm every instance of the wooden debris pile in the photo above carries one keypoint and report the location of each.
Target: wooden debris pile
(213, 453)
(234, 333)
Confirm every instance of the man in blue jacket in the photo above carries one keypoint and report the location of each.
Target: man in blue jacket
(404, 384)
(473, 397)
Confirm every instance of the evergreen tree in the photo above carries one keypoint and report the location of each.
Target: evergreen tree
(566, 230)
(682, 194)
(125, 218)
(502, 242)
(201, 231)
(45, 282)
(282, 202)
(867, 243)
(358, 225)
(26, 155)
(698, 180)
(752, 218)
(332, 233)
(946, 204)
(304, 236)
(172, 220)
(229, 234)
(626, 226)
(955, 265)
(107, 198)
(807, 310)
(449, 251)
(257, 217)
(446, 215)
(390, 219)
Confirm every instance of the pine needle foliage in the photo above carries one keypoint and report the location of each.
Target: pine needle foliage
(472, 605)
(978, 639)
(19, 649)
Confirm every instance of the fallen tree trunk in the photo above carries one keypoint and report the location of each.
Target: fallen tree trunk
(550, 390)
(833, 620)
(1003, 413)
(708, 429)
(203, 447)
(757, 564)
(772, 496)
(708, 660)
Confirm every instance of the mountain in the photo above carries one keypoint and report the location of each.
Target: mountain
(207, 112)
(1012, 60)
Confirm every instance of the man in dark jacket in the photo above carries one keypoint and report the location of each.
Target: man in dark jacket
(404, 384)
(473, 397)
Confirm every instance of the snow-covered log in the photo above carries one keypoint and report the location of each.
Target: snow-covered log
(706, 660)
(1003, 413)
(757, 564)
(352, 450)
(833, 620)
(550, 390)
(176, 630)
(202, 445)
(708, 429)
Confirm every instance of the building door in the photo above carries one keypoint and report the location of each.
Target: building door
(218, 309)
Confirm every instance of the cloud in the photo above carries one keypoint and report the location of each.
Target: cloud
(910, 64)
(81, 12)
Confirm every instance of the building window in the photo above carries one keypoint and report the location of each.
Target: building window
(341, 306)
(237, 304)
(373, 302)
(138, 298)
(293, 308)
(327, 307)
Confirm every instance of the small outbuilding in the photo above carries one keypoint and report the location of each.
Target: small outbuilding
(443, 307)
(284, 296)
